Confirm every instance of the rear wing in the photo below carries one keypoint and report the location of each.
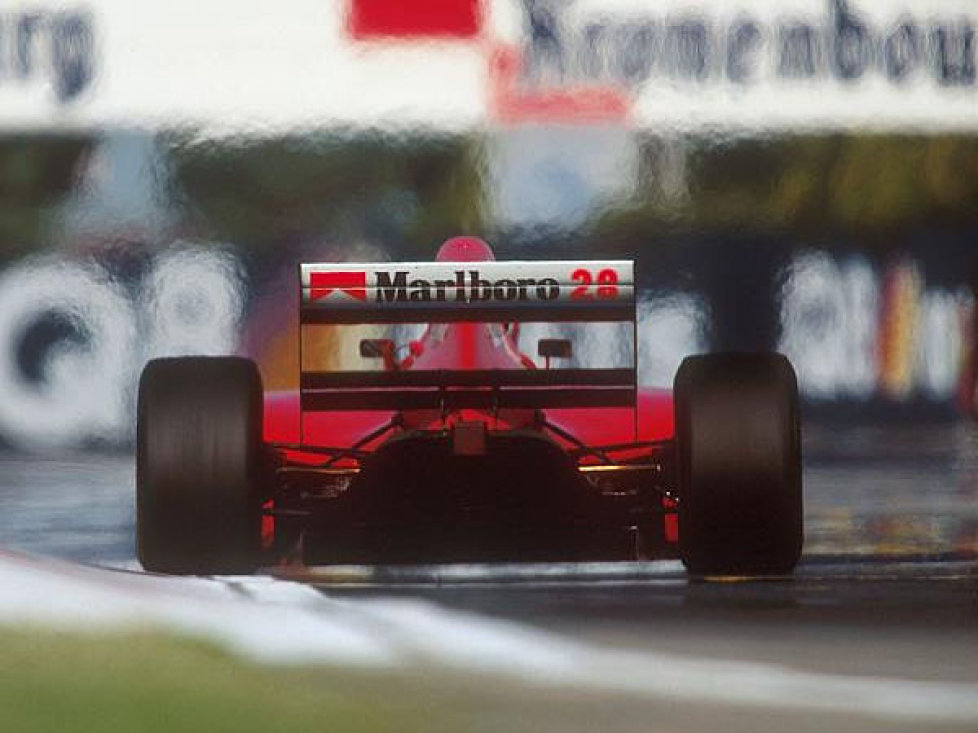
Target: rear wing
(445, 292)
(441, 292)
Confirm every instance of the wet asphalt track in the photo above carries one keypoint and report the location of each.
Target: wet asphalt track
(888, 587)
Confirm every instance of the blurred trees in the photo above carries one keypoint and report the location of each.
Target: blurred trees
(36, 172)
(403, 193)
(867, 187)
(279, 198)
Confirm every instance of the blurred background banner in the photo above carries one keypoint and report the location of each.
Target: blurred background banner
(800, 175)
(736, 65)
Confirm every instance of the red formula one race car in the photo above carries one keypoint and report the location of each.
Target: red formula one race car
(422, 431)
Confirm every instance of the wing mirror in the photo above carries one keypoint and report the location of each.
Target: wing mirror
(376, 348)
(554, 349)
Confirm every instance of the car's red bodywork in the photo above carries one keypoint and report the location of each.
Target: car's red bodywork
(596, 426)
(601, 442)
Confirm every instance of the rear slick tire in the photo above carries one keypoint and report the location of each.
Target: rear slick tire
(739, 464)
(199, 466)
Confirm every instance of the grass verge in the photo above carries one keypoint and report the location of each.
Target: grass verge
(146, 683)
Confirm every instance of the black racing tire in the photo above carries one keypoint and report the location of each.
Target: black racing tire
(199, 466)
(738, 449)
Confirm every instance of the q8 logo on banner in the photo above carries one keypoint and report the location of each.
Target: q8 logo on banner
(73, 339)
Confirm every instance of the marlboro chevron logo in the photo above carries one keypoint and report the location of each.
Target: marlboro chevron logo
(349, 284)
(462, 284)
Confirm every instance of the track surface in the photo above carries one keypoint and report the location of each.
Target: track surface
(913, 620)
(888, 587)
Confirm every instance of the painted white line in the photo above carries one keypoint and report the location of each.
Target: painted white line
(284, 622)
(65, 596)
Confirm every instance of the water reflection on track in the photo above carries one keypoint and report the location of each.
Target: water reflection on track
(76, 507)
(885, 491)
